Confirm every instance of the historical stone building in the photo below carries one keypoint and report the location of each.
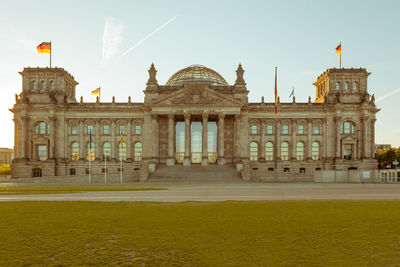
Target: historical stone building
(195, 118)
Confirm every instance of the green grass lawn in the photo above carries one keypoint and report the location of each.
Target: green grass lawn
(286, 233)
(18, 189)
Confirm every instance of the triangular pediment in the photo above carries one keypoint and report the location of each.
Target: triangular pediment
(196, 96)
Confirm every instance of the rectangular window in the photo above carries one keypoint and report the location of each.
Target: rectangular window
(122, 129)
(74, 129)
(285, 129)
(72, 172)
(90, 129)
(269, 129)
(316, 129)
(42, 152)
(106, 129)
(302, 170)
(137, 129)
(254, 129)
(300, 129)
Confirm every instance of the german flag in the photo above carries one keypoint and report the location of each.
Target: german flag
(339, 49)
(96, 92)
(44, 47)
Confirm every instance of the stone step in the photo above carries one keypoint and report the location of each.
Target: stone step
(195, 173)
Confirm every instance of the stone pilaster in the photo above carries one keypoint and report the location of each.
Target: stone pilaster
(365, 138)
(204, 160)
(221, 154)
(129, 155)
(309, 145)
(237, 138)
(97, 147)
(154, 122)
(373, 138)
(82, 155)
(293, 144)
(186, 160)
(113, 143)
(337, 142)
(171, 143)
(261, 152)
(52, 148)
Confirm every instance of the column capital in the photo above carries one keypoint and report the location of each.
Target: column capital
(204, 116)
(171, 116)
(154, 116)
(221, 115)
(187, 116)
(237, 116)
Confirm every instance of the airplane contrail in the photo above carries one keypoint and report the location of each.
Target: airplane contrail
(387, 95)
(147, 37)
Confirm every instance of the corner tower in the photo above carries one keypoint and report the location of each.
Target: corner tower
(342, 85)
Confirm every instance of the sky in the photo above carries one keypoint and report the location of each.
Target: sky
(113, 43)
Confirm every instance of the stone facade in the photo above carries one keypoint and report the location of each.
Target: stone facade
(195, 118)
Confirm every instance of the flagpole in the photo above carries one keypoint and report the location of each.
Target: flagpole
(99, 94)
(275, 132)
(51, 48)
(340, 62)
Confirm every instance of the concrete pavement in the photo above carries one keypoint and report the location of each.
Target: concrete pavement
(221, 192)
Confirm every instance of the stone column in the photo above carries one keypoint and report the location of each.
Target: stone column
(16, 138)
(171, 143)
(204, 149)
(277, 132)
(237, 138)
(309, 145)
(373, 138)
(113, 143)
(221, 159)
(293, 144)
(52, 125)
(186, 160)
(154, 123)
(338, 148)
(261, 152)
(24, 141)
(82, 155)
(129, 142)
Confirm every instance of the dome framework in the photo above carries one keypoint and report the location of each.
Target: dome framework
(196, 73)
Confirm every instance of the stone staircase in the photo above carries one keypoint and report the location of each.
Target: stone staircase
(195, 173)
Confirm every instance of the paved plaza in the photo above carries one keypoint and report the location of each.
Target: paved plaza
(221, 192)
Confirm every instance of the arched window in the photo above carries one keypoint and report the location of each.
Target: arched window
(315, 151)
(43, 85)
(138, 151)
(90, 155)
(42, 128)
(348, 127)
(75, 151)
(107, 150)
(34, 85)
(300, 151)
(337, 85)
(346, 86)
(122, 151)
(354, 85)
(52, 84)
(253, 151)
(269, 151)
(284, 151)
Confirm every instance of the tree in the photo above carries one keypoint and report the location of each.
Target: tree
(387, 156)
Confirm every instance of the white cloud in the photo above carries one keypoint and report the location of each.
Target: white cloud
(112, 38)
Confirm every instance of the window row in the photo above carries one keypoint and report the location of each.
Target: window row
(346, 86)
(106, 129)
(285, 129)
(122, 151)
(43, 85)
(284, 149)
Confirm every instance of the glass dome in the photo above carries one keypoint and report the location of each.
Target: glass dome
(196, 74)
